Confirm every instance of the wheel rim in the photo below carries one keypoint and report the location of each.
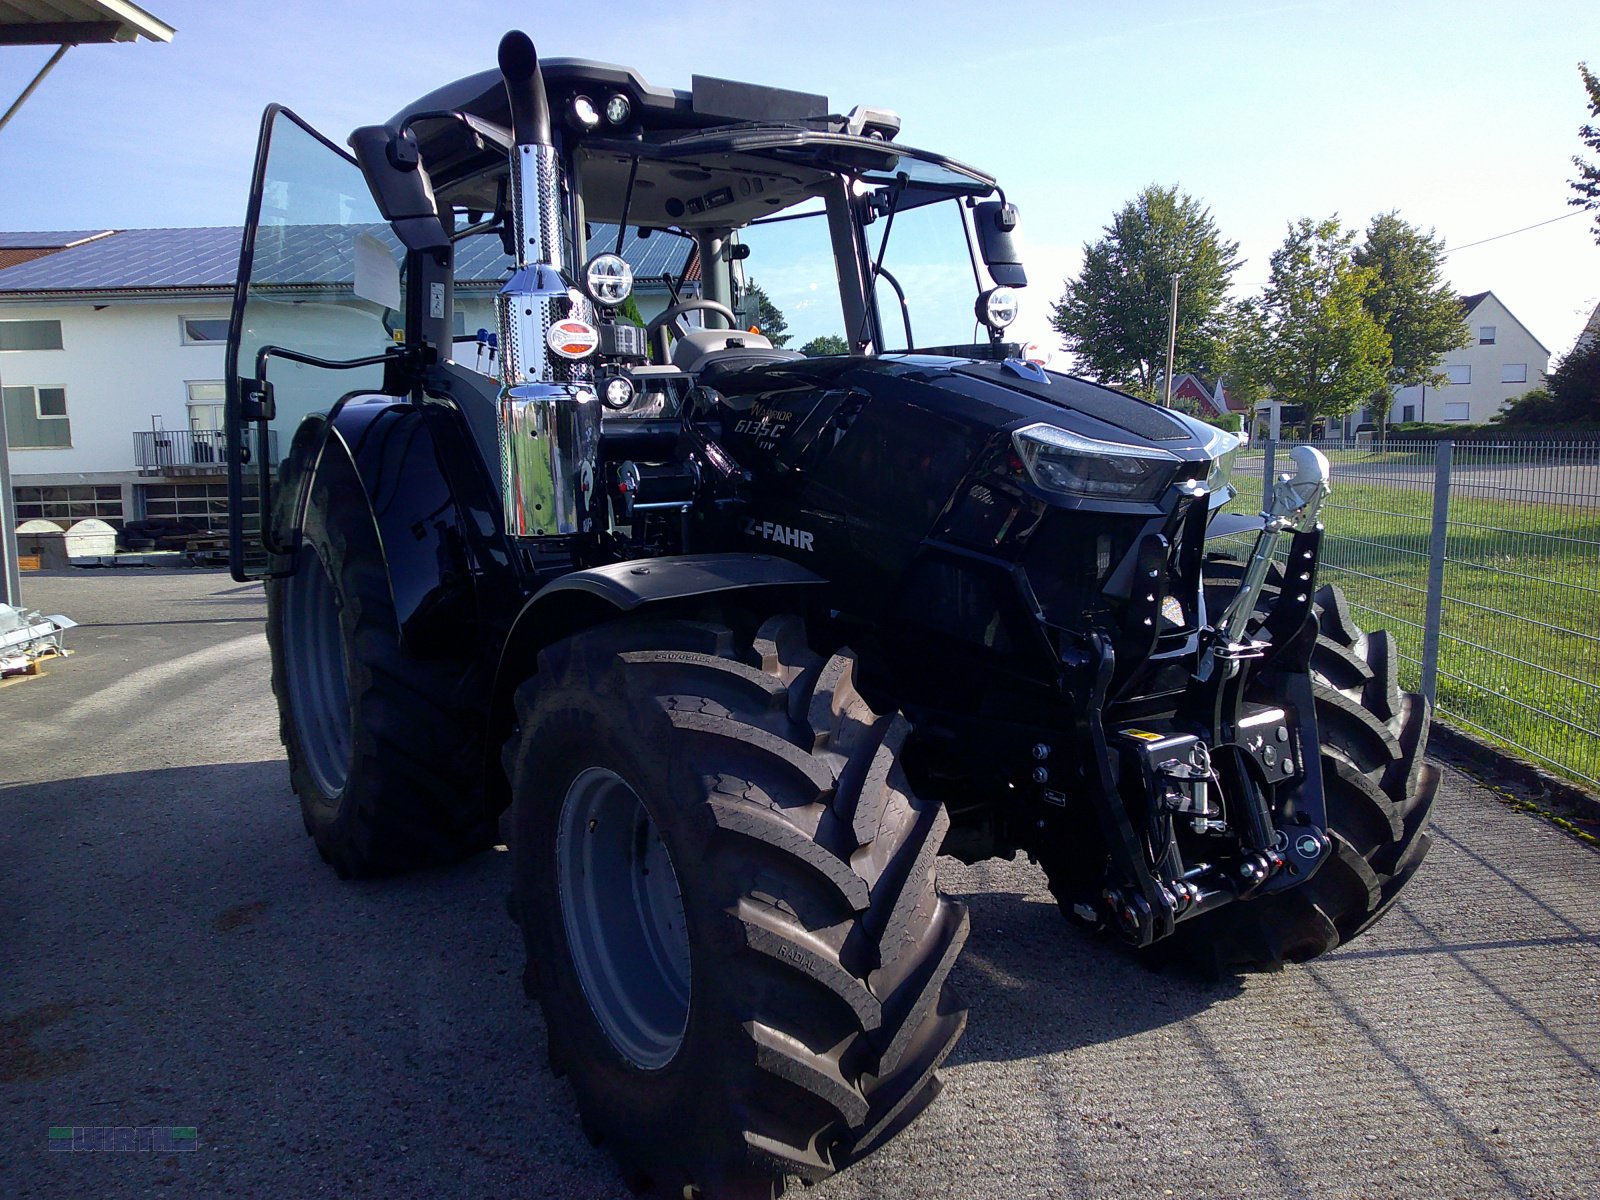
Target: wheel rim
(624, 918)
(318, 691)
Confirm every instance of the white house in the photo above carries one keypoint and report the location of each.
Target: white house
(1503, 361)
(112, 347)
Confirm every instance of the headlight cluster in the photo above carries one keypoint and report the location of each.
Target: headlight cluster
(1075, 465)
(608, 279)
(997, 307)
(1221, 473)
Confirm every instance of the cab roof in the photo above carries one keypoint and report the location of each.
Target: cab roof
(719, 155)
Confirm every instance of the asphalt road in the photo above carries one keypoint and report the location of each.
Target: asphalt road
(173, 953)
(1476, 473)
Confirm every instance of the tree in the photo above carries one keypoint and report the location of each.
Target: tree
(1413, 302)
(1587, 184)
(1570, 395)
(758, 309)
(1310, 338)
(1113, 317)
(828, 343)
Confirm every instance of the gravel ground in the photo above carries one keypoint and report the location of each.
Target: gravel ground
(172, 953)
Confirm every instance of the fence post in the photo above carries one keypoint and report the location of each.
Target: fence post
(1269, 458)
(1436, 548)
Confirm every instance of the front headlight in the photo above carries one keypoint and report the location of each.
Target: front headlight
(1075, 465)
(1221, 473)
(1222, 448)
(609, 279)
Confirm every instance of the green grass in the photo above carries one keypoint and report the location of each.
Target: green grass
(1519, 656)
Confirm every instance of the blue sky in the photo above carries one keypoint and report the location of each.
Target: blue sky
(1461, 115)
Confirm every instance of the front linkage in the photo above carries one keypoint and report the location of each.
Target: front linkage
(1243, 778)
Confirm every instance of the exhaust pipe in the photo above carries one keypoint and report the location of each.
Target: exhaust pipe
(549, 414)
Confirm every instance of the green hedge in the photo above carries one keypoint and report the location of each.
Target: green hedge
(1438, 431)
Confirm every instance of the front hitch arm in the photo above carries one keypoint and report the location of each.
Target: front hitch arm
(1295, 501)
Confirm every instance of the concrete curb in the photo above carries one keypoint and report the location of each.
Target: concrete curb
(1504, 771)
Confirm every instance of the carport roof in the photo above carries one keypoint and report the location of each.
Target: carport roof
(77, 22)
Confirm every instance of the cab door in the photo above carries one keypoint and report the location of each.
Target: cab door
(315, 315)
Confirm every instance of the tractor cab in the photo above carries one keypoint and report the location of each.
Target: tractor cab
(497, 227)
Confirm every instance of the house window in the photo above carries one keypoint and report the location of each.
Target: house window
(1485, 335)
(1513, 372)
(206, 399)
(204, 331)
(1458, 372)
(1458, 410)
(30, 335)
(65, 505)
(1408, 412)
(36, 419)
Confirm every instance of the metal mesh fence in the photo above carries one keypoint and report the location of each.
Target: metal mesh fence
(1482, 559)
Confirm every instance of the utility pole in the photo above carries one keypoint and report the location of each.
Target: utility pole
(1172, 338)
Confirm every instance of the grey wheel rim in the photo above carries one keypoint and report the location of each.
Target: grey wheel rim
(623, 913)
(318, 692)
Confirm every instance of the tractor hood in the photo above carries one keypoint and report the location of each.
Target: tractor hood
(994, 396)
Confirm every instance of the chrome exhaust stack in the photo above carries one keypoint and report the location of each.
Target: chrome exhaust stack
(549, 413)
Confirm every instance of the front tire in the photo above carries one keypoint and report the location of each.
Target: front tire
(387, 771)
(727, 893)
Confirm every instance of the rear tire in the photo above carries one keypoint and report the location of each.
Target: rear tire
(808, 1022)
(387, 773)
(1379, 796)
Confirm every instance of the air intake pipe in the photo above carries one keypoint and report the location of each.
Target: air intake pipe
(549, 414)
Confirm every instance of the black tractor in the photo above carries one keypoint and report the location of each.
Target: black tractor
(734, 641)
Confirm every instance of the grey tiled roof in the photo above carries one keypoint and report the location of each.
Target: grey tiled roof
(306, 255)
(650, 257)
(133, 259)
(482, 260)
(53, 239)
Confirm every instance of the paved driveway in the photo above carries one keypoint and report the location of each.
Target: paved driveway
(172, 953)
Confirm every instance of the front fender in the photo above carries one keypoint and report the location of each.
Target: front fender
(581, 599)
(1228, 524)
(429, 551)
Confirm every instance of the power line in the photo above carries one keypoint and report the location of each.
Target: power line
(1578, 212)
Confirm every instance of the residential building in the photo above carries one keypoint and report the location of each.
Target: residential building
(112, 348)
(1201, 397)
(1502, 361)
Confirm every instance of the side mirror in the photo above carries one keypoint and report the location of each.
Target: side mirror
(996, 222)
(400, 185)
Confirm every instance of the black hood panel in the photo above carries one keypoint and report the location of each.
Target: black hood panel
(1114, 408)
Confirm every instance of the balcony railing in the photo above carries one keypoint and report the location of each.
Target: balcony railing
(186, 451)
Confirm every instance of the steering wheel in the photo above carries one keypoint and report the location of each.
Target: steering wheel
(672, 319)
